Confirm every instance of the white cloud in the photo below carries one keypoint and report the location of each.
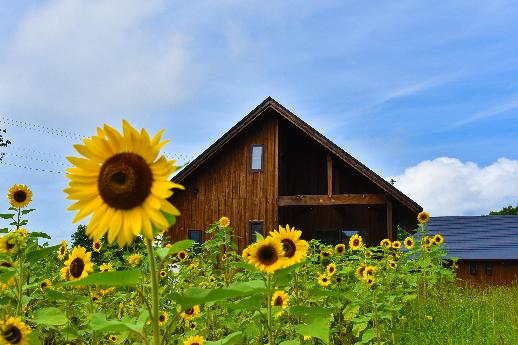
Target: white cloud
(447, 186)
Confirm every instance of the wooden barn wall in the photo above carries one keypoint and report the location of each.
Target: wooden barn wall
(504, 273)
(226, 186)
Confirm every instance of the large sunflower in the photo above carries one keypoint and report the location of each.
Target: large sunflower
(78, 264)
(438, 239)
(359, 271)
(324, 279)
(20, 196)
(14, 331)
(267, 255)
(331, 269)
(194, 340)
(8, 243)
(386, 243)
(396, 245)
(423, 217)
(340, 248)
(355, 242)
(122, 183)
(280, 299)
(294, 248)
(409, 243)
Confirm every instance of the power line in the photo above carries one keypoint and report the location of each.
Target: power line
(31, 168)
(41, 128)
(37, 159)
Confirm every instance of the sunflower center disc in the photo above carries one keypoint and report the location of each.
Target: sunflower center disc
(76, 267)
(289, 248)
(125, 181)
(278, 301)
(13, 335)
(6, 264)
(267, 255)
(189, 311)
(162, 318)
(356, 243)
(20, 196)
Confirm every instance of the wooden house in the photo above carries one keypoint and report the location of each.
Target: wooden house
(486, 247)
(272, 168)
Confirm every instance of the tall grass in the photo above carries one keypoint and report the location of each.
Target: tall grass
(462, 315)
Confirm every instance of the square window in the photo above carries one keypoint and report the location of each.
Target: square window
(256, 161)
(196, 236)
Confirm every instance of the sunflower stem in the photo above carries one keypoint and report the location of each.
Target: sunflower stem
(154, 292)
(269, 307)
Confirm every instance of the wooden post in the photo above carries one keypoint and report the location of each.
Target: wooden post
(275, 203)
(329, 175)
(390, 232)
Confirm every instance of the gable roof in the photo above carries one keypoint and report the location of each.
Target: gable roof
(270, 103)
(478, 237)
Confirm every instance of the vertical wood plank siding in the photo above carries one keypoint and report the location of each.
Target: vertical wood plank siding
(225, 186)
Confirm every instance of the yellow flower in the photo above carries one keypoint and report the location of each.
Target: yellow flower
(194, 340)
(191, 313)
(63, 249)
(385, 243)
(428, 317)
(22, 232)
(8, 243)
(369, 280)
(224, 222)
(355, 242)
(369, 271)
(308, 337)
(14, 331)
(331, 269)
(359, 271)
(280, 299)
(78, 264)
(438, 239)
(427, 249)
(163, 274)
(246, 253)
(324, 279)
(106, 267)
(294, 248)
(409, 243)
(121, 310)
(168, 245)
(182, 255)
(340, 249)
(105, 292)
(267, 255)
(45, 284)
(134, 259)
(96, 245)
(122, 183)
(423, 217)
(162, 318)
(10, 282)
(392, 264)
(396, 245)
(114, 338)
(20, 196)
(325, 253)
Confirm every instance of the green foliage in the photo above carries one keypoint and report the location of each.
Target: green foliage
(506, 211)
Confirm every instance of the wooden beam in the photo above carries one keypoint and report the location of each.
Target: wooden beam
(329, 175)
(390, 231)
(336, 199)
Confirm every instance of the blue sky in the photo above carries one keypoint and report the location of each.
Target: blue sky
(424, 92)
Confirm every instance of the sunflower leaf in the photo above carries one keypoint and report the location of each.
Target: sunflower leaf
(318, 328)
(176, 247)
(98, 322)
(115, 278)
(7, 215)
(4, 231)
(231, 339)
(35, 254)
(50, 316)
(28, 210)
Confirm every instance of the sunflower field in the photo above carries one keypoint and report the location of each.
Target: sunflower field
(134, 287)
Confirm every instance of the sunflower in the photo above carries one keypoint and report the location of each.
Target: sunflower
(294, 248)
(331, 269)
(8, 243)
(191, 313)
(368, 271)
(113, 338)
(246, 253)
(106, 267)
(134, 259)
(224, 222)
(369, 280)
(325, 253)
(427, 241)
(340, 249)
(22, 232)
(392, 264)
(438, 239)
(338, 279)
(324, 279)
(78, 264)
(427, 249)
(280, 299)
(162, 318)
(396, 245)
(45, 284)
(423, 217)
(194, 340)
(359, 271)
(63, 249)
(14, 331)
(122, 184)
(385, 243)
(163, 274)
(307, 337)
(96, 245)
(182, 255)
(10, 282)
(409, 243)
(267, 255)
(20, 196)
(355, 242)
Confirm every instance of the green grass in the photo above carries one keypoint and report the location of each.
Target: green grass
(462, 315)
